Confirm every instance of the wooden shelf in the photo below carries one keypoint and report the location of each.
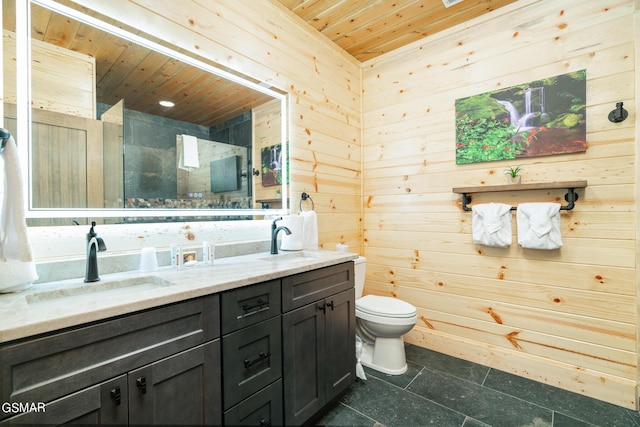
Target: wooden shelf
(520, 187)
(570, 197)
(269, 201)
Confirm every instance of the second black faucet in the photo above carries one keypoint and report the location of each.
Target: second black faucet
(274, 234)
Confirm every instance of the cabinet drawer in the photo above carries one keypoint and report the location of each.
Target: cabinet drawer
(262, 409)
(251, 360)
(249, 305)
(305, 288)
(45, 368)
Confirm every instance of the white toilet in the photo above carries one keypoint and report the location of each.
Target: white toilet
(380, 323)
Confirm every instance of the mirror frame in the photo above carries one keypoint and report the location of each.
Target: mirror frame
(23, 91)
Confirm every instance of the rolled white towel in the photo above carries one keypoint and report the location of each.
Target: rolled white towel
(539, 225)
(491, 224)
(295, 240)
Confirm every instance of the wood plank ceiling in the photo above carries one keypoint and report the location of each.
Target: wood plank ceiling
(365, 29)
(142, 77)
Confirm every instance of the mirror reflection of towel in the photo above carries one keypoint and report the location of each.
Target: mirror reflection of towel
(539, 225)
(491, 224)
(189, 153)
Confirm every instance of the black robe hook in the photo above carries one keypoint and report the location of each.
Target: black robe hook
(619, 114)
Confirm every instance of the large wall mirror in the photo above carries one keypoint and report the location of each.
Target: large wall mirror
(125, 128)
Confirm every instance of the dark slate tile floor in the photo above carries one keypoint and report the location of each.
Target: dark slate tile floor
(440, 390)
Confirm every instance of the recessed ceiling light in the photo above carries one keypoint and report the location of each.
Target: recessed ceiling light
(167, 104)
(449, 3)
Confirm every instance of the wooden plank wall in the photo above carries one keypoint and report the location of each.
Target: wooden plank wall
(267, 131)
(266, 41)
(62, 80)
(566, 317)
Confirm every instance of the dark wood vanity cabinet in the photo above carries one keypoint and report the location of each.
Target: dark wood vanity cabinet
(181, 389)
(318, 333)
(288, 346)
(160, 366)
(273, 353)
(252, 355)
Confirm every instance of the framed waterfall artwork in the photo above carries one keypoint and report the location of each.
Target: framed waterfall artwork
(540, 118)
(271, 165)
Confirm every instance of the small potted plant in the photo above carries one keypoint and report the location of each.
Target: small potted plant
(513, 175)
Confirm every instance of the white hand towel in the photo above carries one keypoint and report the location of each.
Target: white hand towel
(539, 225)
(295, 240)
(17, 266)
(189, 154)
(310, 230)
(491, 224)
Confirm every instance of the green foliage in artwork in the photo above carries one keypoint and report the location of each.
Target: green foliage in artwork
(488, 139)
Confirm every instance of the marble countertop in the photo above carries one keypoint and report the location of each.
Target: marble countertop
(55, 305)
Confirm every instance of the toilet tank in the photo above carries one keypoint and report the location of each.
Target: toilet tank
(360, 265)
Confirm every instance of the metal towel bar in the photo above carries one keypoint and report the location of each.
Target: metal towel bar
(570, 197)
(305, 196)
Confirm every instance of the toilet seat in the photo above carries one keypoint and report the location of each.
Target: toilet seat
(385, 306)
(388, 310)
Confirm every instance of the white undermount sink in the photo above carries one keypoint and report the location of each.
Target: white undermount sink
(294, 255)
(95, 290)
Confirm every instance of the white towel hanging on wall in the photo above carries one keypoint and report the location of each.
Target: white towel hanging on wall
(539, 225)
(491, 224)
(310, 230)
(17, 265)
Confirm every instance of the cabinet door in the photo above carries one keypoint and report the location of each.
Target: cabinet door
(181, 389)
(102, 404)
(303, 333)
(340, 342)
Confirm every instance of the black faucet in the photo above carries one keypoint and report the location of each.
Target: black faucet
(95, 244)
(274, 234)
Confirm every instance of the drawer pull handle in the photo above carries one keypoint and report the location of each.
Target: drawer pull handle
(322, 308)
(141, 383)
(115, 395)
(330, 304)
(259, 305)
(265, 423)
(261, 356)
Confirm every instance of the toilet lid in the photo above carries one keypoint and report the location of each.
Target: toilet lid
(385, 306)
